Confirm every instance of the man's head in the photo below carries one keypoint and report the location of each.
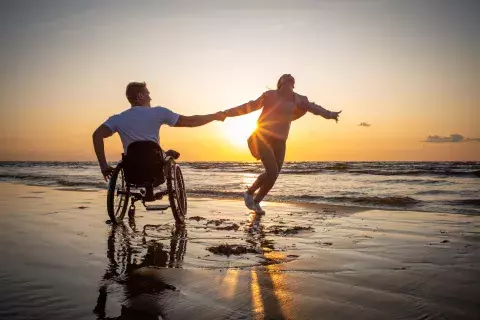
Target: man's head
(286, 81)
(138, 94)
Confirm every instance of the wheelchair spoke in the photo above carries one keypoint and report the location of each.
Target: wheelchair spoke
(120, 197)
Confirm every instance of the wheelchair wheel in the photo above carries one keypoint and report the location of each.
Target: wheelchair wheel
(176, 192)
(117, 196)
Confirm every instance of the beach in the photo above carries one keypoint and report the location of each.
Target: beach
(61, 259)
(349, 126)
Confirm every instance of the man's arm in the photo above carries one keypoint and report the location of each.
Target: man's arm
(101, 133)
(245, 108)
(197, 121)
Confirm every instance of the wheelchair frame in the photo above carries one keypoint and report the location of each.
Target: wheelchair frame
(120, 191)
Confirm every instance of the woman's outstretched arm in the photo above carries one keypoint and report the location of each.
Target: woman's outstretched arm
(245, 108)
(314, 108)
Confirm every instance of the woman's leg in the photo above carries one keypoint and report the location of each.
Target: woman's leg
(257, 184)
(278, 150)
(270, 163)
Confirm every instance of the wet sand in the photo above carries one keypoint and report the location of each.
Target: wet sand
(61, 260)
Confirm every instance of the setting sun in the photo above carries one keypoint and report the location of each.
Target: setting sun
(238, 129)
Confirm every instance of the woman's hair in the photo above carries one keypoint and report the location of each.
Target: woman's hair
(283, 79)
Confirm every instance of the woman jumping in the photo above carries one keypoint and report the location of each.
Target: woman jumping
(268, 141)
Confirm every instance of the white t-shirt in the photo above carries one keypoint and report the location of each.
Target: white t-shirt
(141, 124)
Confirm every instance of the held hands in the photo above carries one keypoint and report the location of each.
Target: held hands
(334, 115)
(220, 116)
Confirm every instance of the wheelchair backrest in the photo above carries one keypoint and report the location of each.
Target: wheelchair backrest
(143, 164)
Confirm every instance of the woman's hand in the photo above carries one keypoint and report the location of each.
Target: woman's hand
(220, 116)
(334, 115)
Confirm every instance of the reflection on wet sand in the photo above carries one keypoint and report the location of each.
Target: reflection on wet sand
(258, 312)
(229, 283)
(126, 254)
(132, 253)
(268, 285)
(280, 286)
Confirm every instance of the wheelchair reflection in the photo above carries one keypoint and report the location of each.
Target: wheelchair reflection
(129, 250)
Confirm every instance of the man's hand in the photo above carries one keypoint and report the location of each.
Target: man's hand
(107, 172)
(335, 115)
(220, 116)
(197, 121)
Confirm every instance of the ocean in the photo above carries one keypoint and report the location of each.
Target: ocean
(452, 187)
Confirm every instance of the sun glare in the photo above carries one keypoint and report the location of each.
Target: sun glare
(238, 129)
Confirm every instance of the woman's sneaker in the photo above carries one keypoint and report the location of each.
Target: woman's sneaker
(249, 202)
(258, 209)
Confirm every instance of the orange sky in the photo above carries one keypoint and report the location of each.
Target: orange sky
(410, 70)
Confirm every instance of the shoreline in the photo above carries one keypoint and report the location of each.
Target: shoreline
(239, 198)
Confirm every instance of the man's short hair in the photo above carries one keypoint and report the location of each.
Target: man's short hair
(133, 90)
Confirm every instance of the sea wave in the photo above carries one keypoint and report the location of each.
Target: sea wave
(421, 169)
(215, 193)
(302, 172)
(338, 166)
(395, 201)
(46, 180)
(414, 181)
(468, 202)
(355, 168)
(436, 192)
(418, 173)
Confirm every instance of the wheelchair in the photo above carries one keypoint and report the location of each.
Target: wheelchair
(143, 168)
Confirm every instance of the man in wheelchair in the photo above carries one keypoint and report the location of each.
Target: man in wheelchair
(142, 122)
(144, 163)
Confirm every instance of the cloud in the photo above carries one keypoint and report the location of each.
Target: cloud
(364, 124)
(453, 138)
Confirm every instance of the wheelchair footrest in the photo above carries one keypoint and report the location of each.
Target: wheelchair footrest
(158, 207)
